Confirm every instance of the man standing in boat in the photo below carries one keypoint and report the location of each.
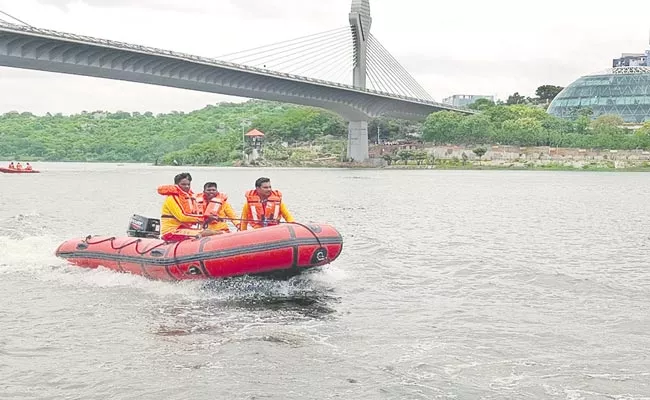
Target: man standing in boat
(215, 203)
(264, 206)
(181, 217)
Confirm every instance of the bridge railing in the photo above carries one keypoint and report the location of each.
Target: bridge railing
(211, 61)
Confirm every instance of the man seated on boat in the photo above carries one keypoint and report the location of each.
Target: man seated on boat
(19, 166)
(28, 167)
(263, 207)
(215, 203)
(181, 217)
(11, 165)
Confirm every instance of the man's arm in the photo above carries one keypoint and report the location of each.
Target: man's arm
(245, 216)
(230, 213)
(175, 209)
(284, 212)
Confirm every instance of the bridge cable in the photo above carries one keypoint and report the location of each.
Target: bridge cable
(383, 63)
(380, 81)
(374, 78)
(392, 61)
(404, 77)
(284, 41)
(273, 48)
(344, 73)
(275, 61)
(400, 73)
(327, 69)
(267, 59)
(301, 54)
(345, 67)
(342, 65)
(341, 55)
(334, 51)
(376, 83)
(12, 17)
(382, 68)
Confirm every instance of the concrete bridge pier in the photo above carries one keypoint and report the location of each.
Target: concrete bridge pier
(358, 140)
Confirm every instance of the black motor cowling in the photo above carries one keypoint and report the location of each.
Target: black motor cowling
(143, 227)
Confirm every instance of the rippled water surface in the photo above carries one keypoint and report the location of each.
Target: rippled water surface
(451, 285)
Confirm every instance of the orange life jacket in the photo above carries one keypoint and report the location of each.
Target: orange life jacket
(213, 207)
(264, 216)
(28, 168)
(19, 166)
(186, 201)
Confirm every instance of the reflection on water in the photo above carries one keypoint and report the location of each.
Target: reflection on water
(235, 304)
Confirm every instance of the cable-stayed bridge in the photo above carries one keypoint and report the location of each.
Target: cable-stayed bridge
(345, 70)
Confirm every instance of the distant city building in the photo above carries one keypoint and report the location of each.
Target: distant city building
(632, 60)
(460, 100)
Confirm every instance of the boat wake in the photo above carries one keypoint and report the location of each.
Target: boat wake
(28, 250)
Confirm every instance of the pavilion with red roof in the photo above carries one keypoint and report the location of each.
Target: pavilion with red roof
(256, 137)
(254, 133)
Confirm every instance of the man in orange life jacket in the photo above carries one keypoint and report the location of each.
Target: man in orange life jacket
(214, 203)
(181, 217)
(263, 206)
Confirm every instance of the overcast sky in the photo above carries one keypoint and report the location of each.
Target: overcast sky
(492, 47)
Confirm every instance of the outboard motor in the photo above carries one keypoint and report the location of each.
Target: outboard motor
(143, 227)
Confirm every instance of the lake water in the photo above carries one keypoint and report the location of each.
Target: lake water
(451, 285)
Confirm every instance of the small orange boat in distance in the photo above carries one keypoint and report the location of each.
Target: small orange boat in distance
(279, 251)
(18, 171)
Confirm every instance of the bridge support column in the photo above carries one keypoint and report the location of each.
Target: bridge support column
(358, 140)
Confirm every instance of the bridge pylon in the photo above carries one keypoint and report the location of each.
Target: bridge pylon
(360, 22)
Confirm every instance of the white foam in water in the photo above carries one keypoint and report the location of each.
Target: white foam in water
(330, 274)
(35, 256)
(28, 253)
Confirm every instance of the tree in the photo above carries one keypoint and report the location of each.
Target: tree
(481, 104)
(546, 93)
(480, 152)
(441, 127)
(516, 98)
(607, 120)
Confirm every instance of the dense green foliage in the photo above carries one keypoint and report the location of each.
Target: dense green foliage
(527, 125)
(207, 136)
(213, 135)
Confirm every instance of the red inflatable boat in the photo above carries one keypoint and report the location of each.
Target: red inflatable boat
(18, 171)
(283, 250)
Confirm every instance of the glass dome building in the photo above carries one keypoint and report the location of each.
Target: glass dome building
(623, 91)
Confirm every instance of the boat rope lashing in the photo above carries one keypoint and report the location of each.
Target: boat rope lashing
(136, 241)
(125, 245)
(99, 241)
(149, 249)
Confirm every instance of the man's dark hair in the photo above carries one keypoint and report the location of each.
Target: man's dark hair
(185, 175)
(260, 181)
(210, 184)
